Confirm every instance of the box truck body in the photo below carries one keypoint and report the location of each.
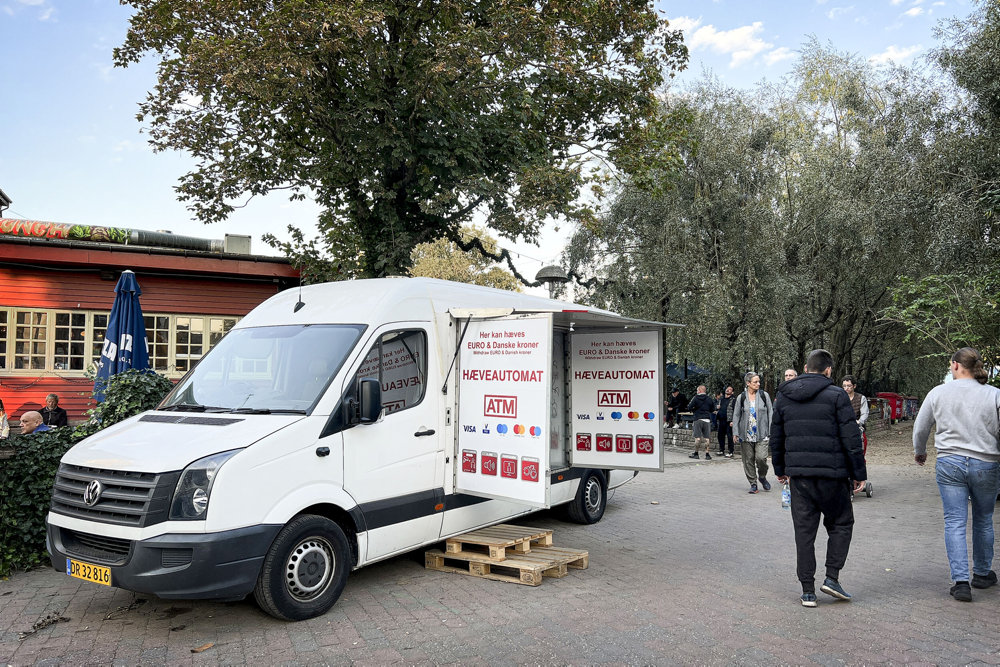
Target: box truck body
(345, 423)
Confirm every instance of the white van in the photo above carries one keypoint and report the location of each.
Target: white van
(345, 423)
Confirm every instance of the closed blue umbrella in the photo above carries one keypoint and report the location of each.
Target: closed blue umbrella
(125, 344)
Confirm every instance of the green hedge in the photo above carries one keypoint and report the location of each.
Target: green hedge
(26, 477)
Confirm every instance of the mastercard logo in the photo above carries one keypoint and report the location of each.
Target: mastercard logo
(535, 431)
(616, 415)
(518, 429)
(649, 416)
(501, 428)
(633, 415)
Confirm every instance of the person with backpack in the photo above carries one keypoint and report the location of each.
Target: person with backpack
(751, 424)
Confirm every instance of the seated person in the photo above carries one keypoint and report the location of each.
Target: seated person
(31, 422)
(52, 414)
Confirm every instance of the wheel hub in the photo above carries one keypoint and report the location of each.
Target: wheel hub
(309, 568)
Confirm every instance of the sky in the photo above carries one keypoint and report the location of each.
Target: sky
(72, 151)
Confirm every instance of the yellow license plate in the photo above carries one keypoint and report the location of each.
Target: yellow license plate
(88, 572)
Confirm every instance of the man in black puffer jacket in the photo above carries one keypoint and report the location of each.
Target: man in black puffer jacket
(816, 448)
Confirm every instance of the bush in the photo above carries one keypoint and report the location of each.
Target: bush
(26, 478)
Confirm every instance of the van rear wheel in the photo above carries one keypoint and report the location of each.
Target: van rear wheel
(305, 570)
(591, 498)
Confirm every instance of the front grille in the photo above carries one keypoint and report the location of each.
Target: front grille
(129, 498)
(95, 548)
(176, 557)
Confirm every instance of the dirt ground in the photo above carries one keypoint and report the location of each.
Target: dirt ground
(894, 446)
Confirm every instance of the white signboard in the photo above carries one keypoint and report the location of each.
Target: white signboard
(617, 400)
(503, 409)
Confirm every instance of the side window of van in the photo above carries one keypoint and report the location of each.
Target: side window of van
(398, 360)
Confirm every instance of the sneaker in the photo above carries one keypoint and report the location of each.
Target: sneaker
(984, 580)
(720, 453)
(708, 457)
(766, 484)
(753, 488)
(694, 455)
(729, 455)
(961, 591)
(832, 587)
(808, 599)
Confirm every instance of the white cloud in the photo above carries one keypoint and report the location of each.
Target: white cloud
(48, 14)
(914, 11)
(684, 23)
(896, 2)
(839, 11)
(742, 43)
(779, 54)
(895, 54)
(8, 10)
(32, 3)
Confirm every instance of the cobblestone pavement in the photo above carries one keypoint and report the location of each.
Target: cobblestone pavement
(685, 568)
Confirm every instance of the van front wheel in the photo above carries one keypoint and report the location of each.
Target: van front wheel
(591, 498)
(305, 569)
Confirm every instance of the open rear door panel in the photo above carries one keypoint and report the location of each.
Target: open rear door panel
(505, 384)
(617, 399)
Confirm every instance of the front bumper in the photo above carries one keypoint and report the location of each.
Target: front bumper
(221, 565)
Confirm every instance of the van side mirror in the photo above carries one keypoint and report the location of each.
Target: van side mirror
(369, 401)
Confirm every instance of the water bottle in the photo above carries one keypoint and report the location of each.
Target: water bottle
(786, 497)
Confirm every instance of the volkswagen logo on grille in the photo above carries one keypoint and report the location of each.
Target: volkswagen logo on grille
(93, 492)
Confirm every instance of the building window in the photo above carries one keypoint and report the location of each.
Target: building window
(190, 345)
(70, 342)
(3, 339)
(30, 336)
(98, 328)
(158, 337)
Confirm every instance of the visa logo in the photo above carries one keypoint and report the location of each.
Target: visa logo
(468, 428)
(582, 417)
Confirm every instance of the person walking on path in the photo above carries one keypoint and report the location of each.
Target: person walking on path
(751, 425)
(725, 431)
(816, 449)
(966, 413)
(702, 405)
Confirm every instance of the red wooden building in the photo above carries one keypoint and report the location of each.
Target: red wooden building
(57, 286)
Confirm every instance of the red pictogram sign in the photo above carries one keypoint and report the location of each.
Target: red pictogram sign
(623, 444)
(529, 469)
(583, 442)
(489, 463)
(468, 460)
(644, 444)
(604, 441)
(508, 466)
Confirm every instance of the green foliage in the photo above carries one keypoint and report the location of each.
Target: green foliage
(951, 312)
(403, 118)
(445, 260)
(26, 477)
(796, 210)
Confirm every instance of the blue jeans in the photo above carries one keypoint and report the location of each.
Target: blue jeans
(960, 478)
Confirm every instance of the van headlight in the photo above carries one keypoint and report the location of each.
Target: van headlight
(190, 501)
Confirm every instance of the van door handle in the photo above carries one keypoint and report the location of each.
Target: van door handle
(427, 432)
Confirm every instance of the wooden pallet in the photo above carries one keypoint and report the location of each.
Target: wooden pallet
(495, 541)
(525, 568)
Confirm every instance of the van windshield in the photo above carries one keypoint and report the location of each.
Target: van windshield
(266, 369)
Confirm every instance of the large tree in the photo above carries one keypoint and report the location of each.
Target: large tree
(403, 118)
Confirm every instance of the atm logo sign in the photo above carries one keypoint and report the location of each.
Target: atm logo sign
(500, 406)
(616, 398)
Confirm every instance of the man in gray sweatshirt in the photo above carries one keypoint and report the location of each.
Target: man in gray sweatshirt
(967, 414)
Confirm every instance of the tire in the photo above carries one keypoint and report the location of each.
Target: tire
(869, 490)
(305, 570)
(591, 499)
